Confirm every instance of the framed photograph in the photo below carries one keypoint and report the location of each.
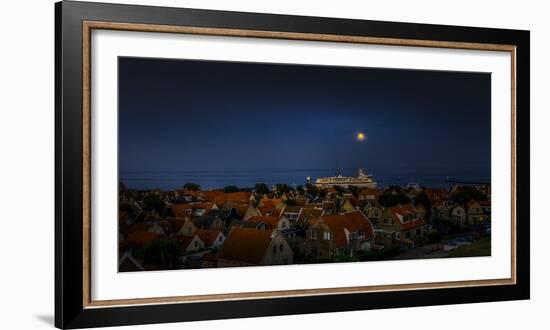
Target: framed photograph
(216, 164)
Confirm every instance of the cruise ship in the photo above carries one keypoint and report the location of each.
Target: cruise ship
(362, 180)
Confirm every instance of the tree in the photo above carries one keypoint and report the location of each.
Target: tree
(465, 193)
(339, 190)
(300, 189)
(261, 188)
(422, 199)
(152, 202)
(312, 190)
(191, 186)
(354, 190)
(162, 252)
(282, 188)
(231, 189)
(392, 198)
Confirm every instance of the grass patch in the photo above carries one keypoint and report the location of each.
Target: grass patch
(479, 248)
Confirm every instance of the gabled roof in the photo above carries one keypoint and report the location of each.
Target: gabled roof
(309, 213)
(301, 201)
(223, 214)
(369, 192)
(128, 229)
(246, 224)
(142, 238)
(176, 224)
(246, 245)
(265, 210)
(208, 236)
(177, 208)
(292, 209)
(269, 220)
(218, 197)
(353, 201)
(351, 221)
(436, 194)
(400, 211)
(273, 202)
(206, 221)
(186, 240)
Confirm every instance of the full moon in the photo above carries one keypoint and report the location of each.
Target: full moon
(361, 137)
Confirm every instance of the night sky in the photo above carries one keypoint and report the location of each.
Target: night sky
(188, 115)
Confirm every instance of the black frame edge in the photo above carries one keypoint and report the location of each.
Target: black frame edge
(69, 310)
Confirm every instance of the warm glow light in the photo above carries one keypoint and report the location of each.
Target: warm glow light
(361, 137)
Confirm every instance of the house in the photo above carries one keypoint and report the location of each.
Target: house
(329, 206)
(142, 238)
(211, 238)
(301, 201)
(248, 224)
(190, 244)
(280, 224)
(475, 212)
(220, 198)
(308, 213)
(292, 212)
(458, 214)
(162, 228)
(336, 234)
(209, 260)
(374, 212)
(401, 224)
(269, 211)
(350, 204)
(369, 194)
(486, 206)
(251, 211)
(440, 211)
(226, 215)
(183, 227)
(128, 264)
(212, 222)
(271, 202)
(436, 195)
(253, 247)
(187, 210)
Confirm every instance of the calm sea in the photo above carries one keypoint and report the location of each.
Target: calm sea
(428, 177)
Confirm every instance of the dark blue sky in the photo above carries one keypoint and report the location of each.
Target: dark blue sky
(188, 115)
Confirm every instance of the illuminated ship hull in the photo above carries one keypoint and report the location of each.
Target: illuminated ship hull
(361, 181)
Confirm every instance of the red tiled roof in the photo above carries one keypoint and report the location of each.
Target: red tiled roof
(436, 194)
(177, 208)
(274, 202)
(264, 210)
(208, 236)
(403, 210)
(269, 220)
(185, 240)
(142, 238)
(246, 245)
(366, 192)
(176, 224)
(352, 221)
